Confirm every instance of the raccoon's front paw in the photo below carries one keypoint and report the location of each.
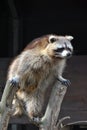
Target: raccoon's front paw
(14, 81)
(65, 82)
(36, 120)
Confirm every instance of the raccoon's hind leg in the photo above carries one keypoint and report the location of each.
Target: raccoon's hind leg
(16, 106)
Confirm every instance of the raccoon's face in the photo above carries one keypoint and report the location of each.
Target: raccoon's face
(59, 46)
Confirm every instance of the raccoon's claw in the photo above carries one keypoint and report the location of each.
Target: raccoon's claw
(36, 120)
(66, 82)
(14, 81)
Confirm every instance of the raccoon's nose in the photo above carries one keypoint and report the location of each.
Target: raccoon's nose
(69, 55)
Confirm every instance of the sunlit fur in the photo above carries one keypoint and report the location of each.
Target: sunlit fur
(36, 69)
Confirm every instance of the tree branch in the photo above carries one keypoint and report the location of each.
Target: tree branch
(50, 119)
(5, 105)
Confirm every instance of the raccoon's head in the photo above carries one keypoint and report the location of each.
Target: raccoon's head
(52, 46)
(59, 46)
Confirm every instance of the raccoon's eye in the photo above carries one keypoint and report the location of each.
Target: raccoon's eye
(52, 40)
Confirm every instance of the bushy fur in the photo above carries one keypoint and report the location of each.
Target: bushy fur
(36, 69)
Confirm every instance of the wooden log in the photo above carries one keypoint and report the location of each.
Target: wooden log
(50, 119)
(6, 109)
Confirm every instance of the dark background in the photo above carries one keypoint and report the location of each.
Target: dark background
(38, 17)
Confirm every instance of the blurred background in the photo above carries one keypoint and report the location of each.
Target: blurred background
(23, 20)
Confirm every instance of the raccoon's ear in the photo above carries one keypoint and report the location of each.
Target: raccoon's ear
(69, 38)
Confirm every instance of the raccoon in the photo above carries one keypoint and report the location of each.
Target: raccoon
(36, 69)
